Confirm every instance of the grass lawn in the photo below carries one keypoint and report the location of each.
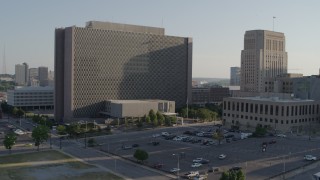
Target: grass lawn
(48, 165)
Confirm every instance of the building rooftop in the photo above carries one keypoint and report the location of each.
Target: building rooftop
(273, 99)
(33, 88)
(136, 101)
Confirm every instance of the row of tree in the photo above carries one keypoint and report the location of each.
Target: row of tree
(39, 135)
(208, 113)
(157, 119)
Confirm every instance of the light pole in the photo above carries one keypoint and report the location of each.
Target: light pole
(178, 163)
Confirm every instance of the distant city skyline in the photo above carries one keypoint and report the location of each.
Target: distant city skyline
(217, 28)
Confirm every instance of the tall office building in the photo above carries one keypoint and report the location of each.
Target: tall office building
(105, 61)
(43, 76)
(33, 77)
(21, 74)
(234, 76)
(264, 56)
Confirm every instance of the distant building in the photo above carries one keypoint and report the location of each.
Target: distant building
(43, 76)
(275, 113)
(33, 77)
(263, 57)
(137, 108)
(235, 76)
(212, 95)
(31, 98)
(307, 87)
(21, 74)
(118, 61)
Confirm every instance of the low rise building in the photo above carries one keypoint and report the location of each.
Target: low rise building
(284, 114)
(137, 108)
(212, 95)
(31, 98)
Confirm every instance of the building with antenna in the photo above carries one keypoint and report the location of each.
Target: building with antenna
(263, 57)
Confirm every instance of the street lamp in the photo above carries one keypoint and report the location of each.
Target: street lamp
(178, 155)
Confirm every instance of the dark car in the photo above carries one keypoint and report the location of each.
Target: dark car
(235, 168)
(188, 133)
(135, 145)
(272, 141)
(204, 161)
(264, 144)
(158, 165)
(155, 143)
(228, 140)
(229, 136)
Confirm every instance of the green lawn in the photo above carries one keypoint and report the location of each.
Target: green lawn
(48, 165)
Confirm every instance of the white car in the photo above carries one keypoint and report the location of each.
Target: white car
(173, 170)
(177, 139)
(222, 156)
(310, 158)
(281, 135)
(192, 174)
(197, 160)
(200, 134)
(19, 132)
(155, 135)
(165, 134)
(196, 165)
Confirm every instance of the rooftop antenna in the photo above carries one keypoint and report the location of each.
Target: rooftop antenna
(4, 60)
(162, 22)
(273, 23)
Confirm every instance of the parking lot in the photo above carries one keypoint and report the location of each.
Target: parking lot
(281, 153)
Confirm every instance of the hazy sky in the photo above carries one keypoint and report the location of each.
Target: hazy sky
(217, 28)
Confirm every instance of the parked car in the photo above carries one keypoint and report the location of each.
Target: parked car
(155, 143)
(200, 134)
(229, 136)
(222, 156)
(192, 174)
(281, 135)
(228, 140)
(19, 132)
(204, 161)
(155, 135)
(169, 137)
(135, 145)
(188, 133)
(272, 141)
(158, 166)
(177, 138)
(196, 165)
(197, 160)
(235, 168)
(173, 170)
(165, 134)
(310, 158)
(125, 147)
(213, 169)
(264, 144)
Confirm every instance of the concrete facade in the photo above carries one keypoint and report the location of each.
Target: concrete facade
(31, 98)
(137, 108)
(118, 61)
(43, 76)
(263, 57)
(277, 114)
(21, 74)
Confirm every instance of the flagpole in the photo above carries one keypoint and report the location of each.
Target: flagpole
(187, 107)
(273, 23)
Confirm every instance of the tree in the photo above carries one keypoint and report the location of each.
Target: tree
(148, 120)
(39, 135)
(62, 130)
(141, 155)
(218, 136)
(232, 175)
(5, 107)
(160, 118)
(14, 111)
(152, 115)
(92, 142)
(20, 112)
(183, 112)
(9, 141)
(167, 121)
(260, 131)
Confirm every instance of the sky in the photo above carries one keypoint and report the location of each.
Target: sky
(217, 28)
